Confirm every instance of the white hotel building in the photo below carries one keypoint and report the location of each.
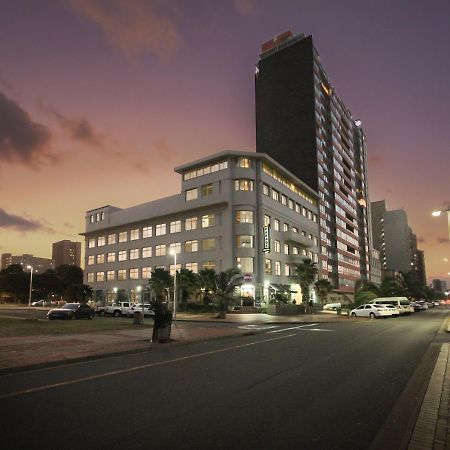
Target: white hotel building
(235, 209)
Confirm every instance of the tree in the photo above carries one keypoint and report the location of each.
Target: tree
(207, 279)
(160, 282)
(323, 288)
(15, 281)
(187, 283)
(69, 274)
(304, 274)
(365, 291)
(78, 293)
(226, 283)
(389, 287)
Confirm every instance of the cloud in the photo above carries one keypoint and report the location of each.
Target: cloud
(442, 240)
(18, 223)
(377, 160)
(79, 129)
(21, 139)
(245, 7)
(133, 26)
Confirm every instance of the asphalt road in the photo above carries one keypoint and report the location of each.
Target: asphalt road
(327, 386)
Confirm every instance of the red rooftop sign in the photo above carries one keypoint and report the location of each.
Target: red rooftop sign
(276, 41)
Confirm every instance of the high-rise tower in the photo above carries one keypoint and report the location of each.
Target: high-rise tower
(304, 125)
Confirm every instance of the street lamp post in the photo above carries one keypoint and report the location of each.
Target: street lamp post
(138, 289)
(31, 285)
(439, 212)
(174, 253)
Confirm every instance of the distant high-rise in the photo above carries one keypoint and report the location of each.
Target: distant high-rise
(439, 285)
(5, 260)
(66, 252)
(304, 125)
(40, 265)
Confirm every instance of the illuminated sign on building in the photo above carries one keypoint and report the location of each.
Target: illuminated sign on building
(266, 239)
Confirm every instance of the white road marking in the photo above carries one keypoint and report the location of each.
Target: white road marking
(257, 327)
(293, 328)
(136, 368)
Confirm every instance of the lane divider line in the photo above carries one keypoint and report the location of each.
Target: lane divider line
(293, 328)
(136, 368)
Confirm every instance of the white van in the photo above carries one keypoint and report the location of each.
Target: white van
(401, 303)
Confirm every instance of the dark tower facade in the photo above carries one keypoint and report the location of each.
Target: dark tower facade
(304, 125)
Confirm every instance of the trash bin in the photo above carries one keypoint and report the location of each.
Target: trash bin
(137, 318)
(162, 327)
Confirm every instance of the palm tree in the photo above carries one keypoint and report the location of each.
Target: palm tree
(207, 279)
(187, 282)
(389, 287)
(365, 291)
(160, 282)
(304, 274)
(323, 288)
(226, 283)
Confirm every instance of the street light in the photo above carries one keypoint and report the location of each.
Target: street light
(138, 289)
(439, 212)
(115, 294)
(31, 284)
(174, 253)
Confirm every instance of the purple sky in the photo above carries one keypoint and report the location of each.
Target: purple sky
(99, 100)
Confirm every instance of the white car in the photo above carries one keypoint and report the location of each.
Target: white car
(371, 310)
(395, 312)
(137, 307)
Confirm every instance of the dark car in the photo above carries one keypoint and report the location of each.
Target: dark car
(72, 311)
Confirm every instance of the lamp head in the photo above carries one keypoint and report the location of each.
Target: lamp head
(436, 213)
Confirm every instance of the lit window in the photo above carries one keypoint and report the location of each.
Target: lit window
(91, 218)
(147, 232)
(208, 244)
(209, 265)
(275, 195)
(101, 241)
(277, 268)
(134, 274)
(283, 199)
(122, 274)
(146, 252)
(266, 220)
(101, 258)
(100, 276)
(191, 246)
(266, 189)
(276, 225)
(294, 250)
(294, 229)
(134, 234)
(90, 260)
(286, 249)
(146, 272)
(111, 257)
(160, 250)
(206, 189)
(245, 264)
(90, 277)
(208, 220)
(291, 204)
(244, 163)
(175, 247)
(123, 236)
(191, 194)
(244, 216)
(175, 226)
(277, 246)
(243, 185)
(174, 268)
(244, 241)
(122, 255)
(111, 239)
(190, 223)
(268, 266)
(134, 253)
(110, 275)
(287, 270)
(285, 227)
(160, 229)
(193, 266)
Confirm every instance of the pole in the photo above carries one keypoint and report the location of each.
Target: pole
(448, 222)
(175, 288)
(31, 284)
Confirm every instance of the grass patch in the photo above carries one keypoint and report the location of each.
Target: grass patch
(12, 326)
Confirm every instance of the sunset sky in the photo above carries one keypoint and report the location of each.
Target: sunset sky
(99, 100)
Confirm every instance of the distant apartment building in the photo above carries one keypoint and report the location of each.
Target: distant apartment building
(375, 267)
(396, 242)
(5, 260)
(40, 265)
(439, 285)
(235, 209)
(66, 253)
(306, 127)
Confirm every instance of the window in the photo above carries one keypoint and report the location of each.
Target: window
(191, 194)
(90, 277)
(277, 246)
(244, 241)
(285, 227)
(191, 246)
(174, 268)
(192, 266)
(91, 243)
(190, 223)
(175, 247)
(208, 244)
(208, 220)
(100, 276)
(283, 199)
(91, 218)
(111, 257)
(291, 203)
(266, 220)
(244, 216)
(286, 249)
(266, 189)
(268, 266)
(160, 250)
(175, 226)
(90, 260)
(275, 195)
(134, 253)
(146, 272)
(278, 268)
(206, 189)
(147, 232)
(146, 252)
(276, 225)
(134, 234)
(205, 170)
(294, 229)
(243, 185)
(110, 275)
(122, 255)
(101, 258)
(134, 274)
(287, 270)
(295, 250)
(123, 236)
(209, 264)
(245, 264)
(298, 208)
(160, 229)
(111, 239)
(243, 162)
(122, 274)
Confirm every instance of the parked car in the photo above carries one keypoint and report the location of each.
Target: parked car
(371, 310)
(118, 309)
(137, 307)
(436, 303)
(72, 311)
(332, 306)
(401, 303)
(394, 311)
(38, 303)
(417, 306)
